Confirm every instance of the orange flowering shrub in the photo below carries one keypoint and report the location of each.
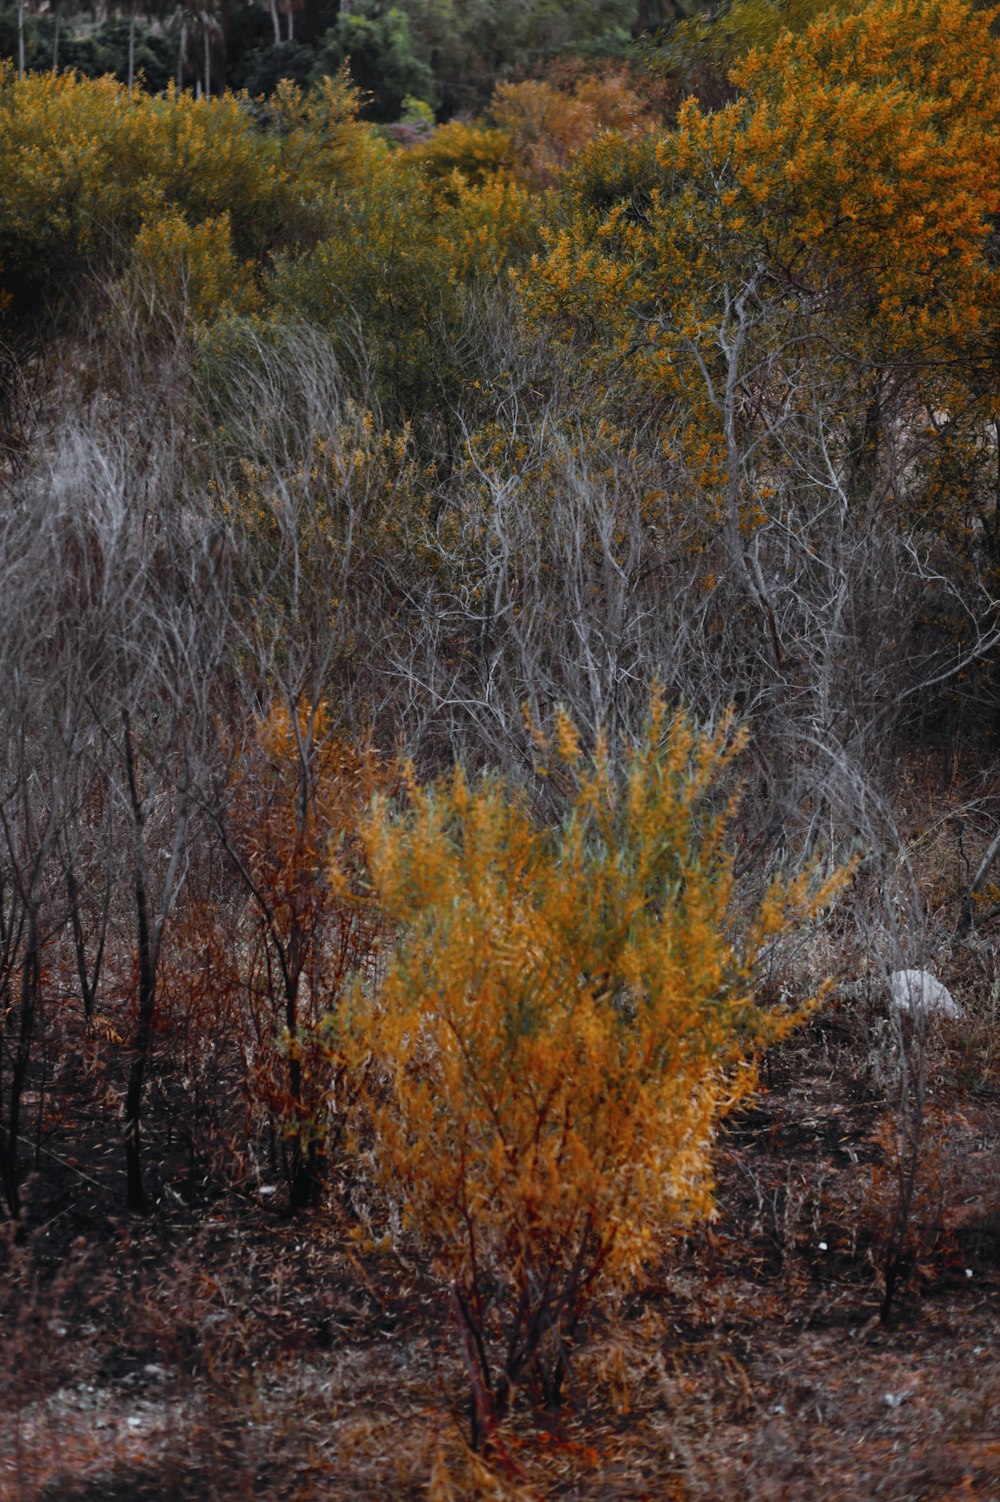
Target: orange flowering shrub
(564, 1019)
(857, 176)
(547, 125)
(293, 942)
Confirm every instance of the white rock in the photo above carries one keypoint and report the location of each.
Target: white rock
(919, 992)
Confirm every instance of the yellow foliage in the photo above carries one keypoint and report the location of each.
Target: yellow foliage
(476, 216)
(838, 214)
(85, 163)
(564, 1019)
(182, 270)
(485, 229)
(475, 151)
(547, 126)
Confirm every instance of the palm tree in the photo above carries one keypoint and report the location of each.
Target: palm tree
(290, 7)
(198, 24)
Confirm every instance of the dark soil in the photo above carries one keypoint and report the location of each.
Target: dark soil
(215, 1349)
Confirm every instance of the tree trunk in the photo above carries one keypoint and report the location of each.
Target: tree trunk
(131, 45)
(208, 64)
(135, 1197)
(148, 936)
(276, 23)
(88, 988)
(31, 974)
(20, 38)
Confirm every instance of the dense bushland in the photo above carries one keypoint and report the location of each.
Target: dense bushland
(332, 469)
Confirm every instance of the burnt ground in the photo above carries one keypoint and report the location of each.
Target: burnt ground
(217, 1350)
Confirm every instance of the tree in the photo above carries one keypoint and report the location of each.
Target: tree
(377, 46)
(471, 45)
(802, 292)
(199, 35)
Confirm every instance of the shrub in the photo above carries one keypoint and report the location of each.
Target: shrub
(475, 151)
(181, 270)
(83, 164)
(391, 282)
(564, 1019)
(547, 125)
(258, 977)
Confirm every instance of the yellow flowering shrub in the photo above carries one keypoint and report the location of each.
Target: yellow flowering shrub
(477, 152)
(565, 1017)
(484, 229)
(182, 270)
(85, 163)
(858, 174)
(829, 230)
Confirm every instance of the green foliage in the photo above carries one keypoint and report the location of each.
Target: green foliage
(91, 51)
(377, 45)
(474, 44)
(396, 277)
(416, 112)
(264, 68)
(377, 283)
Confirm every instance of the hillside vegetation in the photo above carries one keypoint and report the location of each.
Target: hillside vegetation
(499, 624)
